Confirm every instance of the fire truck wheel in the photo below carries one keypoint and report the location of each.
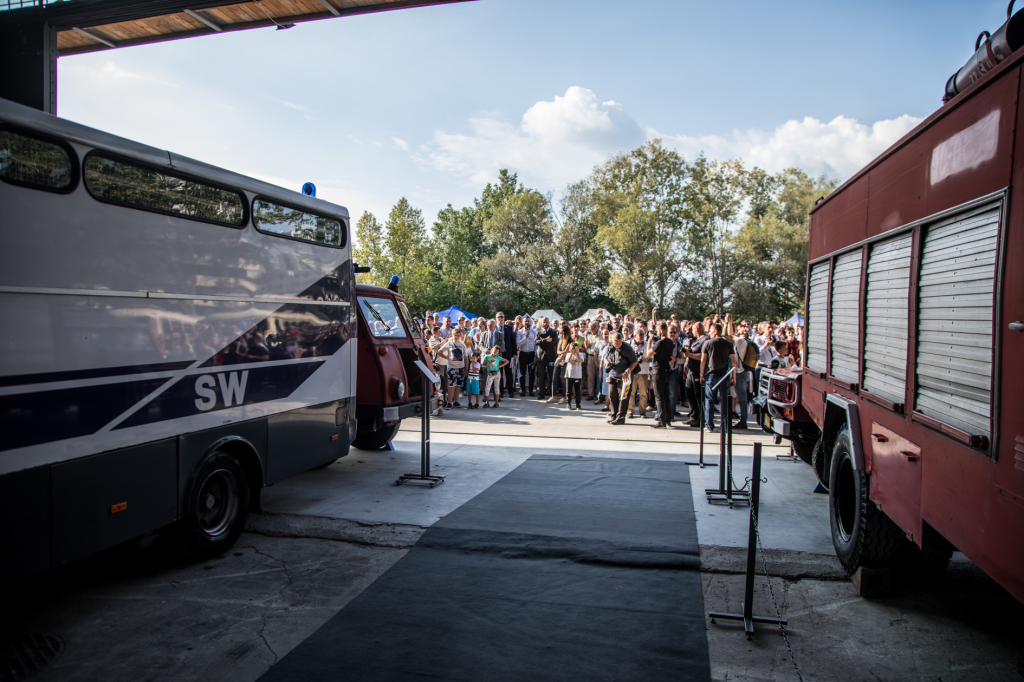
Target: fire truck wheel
(218, 503)
(818, 462)
(375, 440)
(861, 534)
(803, 450)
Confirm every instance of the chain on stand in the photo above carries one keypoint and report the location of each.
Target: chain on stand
(771, 590)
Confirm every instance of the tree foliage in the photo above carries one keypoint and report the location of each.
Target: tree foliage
(645, 228)
(640, 216)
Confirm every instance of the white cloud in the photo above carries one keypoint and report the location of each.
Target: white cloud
(557, 142)
(838, 148)
(401, 144)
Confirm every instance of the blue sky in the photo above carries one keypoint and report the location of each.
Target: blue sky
(428, 103)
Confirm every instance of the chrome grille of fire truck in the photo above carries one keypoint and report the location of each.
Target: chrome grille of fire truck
(780, 391)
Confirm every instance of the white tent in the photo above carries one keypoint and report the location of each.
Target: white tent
(594, 312)
(550, 314)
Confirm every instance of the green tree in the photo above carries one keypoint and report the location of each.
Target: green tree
(714, 199)
(640, 215)
(771, 247)
(370, 250)
(581, 263)
(460, 249)
(522, 269)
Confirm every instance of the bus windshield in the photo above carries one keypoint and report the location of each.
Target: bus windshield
(382, 317)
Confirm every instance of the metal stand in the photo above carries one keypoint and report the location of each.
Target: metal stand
(700, 427)
(424, 475)
(791, 456)
(747, 605)
(725, 493)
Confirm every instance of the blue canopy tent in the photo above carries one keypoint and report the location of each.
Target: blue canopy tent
(455, 313)
(797, 320)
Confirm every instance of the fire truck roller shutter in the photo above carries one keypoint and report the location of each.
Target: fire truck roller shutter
(845, 322)
(954, 321)
(887, 310)
(817, 317)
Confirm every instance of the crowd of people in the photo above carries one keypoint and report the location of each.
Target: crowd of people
(628, 367)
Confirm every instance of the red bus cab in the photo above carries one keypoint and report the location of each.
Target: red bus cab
(389, 385)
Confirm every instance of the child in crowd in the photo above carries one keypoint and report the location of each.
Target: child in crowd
(473, 380)
(574, 373)
(492, 364)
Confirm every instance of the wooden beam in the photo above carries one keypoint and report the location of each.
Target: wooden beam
(93, 36)
(203, 20)
(330, 8)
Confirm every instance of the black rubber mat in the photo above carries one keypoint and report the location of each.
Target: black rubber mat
(568, 568)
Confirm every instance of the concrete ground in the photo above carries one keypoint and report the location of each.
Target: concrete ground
(138, 612)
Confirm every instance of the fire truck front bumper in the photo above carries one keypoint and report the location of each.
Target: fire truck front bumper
(776, 425)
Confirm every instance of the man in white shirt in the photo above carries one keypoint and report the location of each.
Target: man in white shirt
(446, 327)
(526, 341)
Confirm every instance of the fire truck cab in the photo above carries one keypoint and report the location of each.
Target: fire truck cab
(914, 345)
(389, 385)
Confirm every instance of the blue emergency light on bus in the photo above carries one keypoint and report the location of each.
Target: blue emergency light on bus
(309, 189)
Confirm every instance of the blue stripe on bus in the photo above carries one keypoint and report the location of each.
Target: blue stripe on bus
(46, 416)
(219, 390)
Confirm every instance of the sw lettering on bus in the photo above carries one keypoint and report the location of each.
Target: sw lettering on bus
(232, 388)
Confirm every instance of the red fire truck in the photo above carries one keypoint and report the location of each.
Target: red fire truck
(911, 389)
(389, 387)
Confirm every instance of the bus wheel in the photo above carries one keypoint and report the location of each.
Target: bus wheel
(861, 534)
(218, 503)
(375, 440)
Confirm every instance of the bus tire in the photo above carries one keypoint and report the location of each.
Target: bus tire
(375, 440)
(818, 462)
(218, 504)
(861, 533)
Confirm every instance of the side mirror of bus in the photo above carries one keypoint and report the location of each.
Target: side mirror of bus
(360, 269)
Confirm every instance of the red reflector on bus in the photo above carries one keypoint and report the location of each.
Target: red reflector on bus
(334, 437)
(119, 507)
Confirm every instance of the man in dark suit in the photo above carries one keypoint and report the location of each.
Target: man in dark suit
(506, 340)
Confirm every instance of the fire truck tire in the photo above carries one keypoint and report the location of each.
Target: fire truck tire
(861, 533)
(375, 440)
(804, 450)
(818, 462)
(218, 504)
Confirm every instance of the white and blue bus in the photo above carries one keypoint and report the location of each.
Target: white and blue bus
(173, 337)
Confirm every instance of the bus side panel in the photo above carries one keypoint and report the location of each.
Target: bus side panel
(193, 448)
(109, 498)
(302, 439)
(25, 522)
(965, 155)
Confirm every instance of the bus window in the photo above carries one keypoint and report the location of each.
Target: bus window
(381, 317)
(285, 221)
(34, 162)
(127, 184)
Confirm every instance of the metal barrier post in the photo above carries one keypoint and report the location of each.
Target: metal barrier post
(700, 427)
(725, 491)
(747, 606)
